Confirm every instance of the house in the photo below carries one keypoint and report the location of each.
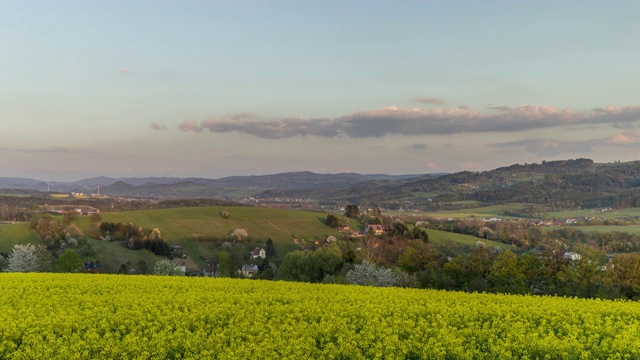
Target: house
(248, 271)
(572, 256)
(209, 270)
(376, 228)
(258, 253)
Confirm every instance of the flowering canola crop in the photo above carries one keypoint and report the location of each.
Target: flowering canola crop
(82, 316)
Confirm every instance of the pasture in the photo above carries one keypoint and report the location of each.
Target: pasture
(182, 225)
(459, 243)
(481, 212)
(12, 234)
(604, 213)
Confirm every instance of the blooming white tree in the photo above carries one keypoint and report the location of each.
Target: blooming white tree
(240, 234)
(370, 274)
(29, 258)
(155, 234)
(165, 267)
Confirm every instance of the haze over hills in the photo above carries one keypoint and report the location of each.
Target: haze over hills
(562, 183)
(229, 187)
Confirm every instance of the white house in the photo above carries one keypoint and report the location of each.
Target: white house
(248, 271)
(572, 256)
(258, 253)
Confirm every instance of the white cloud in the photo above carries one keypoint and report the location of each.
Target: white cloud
(190, 126)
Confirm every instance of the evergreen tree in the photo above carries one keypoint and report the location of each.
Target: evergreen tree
(270, 250)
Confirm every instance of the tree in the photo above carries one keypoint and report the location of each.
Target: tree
(623, 275)
(270, 250)
(29, 258)
(239, 234)
(332, 221)
(371, 275)
(352, 211)
(583, 277)
(416, 257)
(226, 266)
(505, 275)
(69, 261)
(165, 267)
(311, 266)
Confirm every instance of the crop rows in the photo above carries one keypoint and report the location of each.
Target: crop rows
(78, 316)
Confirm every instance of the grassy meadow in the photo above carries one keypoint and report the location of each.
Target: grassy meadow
(599, 213)
(182, 225)
(630, 229)
(481, 212)
(20, 233)
(459, 243)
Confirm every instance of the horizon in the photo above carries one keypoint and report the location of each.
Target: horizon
(218, 89)
(300, 171)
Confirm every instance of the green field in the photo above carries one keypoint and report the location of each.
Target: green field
(631, 229)
(11, 234)
(89, 316)
(15, 195)
(487, 211)
(597, 213)
(180, 226)
(459, 243)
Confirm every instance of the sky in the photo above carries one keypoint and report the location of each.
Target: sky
(220, 88)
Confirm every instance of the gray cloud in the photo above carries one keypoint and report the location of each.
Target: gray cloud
(550, 147)
(56, 149)
(501, 108)
(156, 126)
(417, 146)
(275, 129)
(430, 100)
(397, 121)
(190, 125)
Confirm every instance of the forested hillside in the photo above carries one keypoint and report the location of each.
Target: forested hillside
(566, 183)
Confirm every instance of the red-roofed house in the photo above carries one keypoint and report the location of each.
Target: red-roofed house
(258, 253)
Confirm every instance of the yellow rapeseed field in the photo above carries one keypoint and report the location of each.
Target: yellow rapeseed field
(82, 316)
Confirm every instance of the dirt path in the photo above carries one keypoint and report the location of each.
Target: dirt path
(277, 228)
(74, 229)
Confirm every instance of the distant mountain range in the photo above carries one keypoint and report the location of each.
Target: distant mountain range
(234, 187)
(553, 184)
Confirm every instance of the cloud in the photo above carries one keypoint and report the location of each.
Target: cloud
(500, 108)
(123, 71)
(468, 166)
(156, 126)
(430, 100)
(550, 147)
(56, 149)
(630, 137)
(190, 125)
(413, 121)
(275, 129)
(417, 146)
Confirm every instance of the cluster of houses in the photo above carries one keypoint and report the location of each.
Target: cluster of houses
(62, 209)
(250, 270)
